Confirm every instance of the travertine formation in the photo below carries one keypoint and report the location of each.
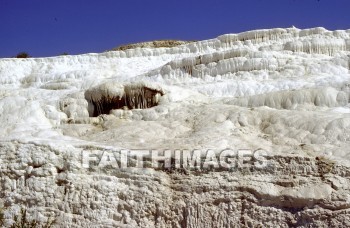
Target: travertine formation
(296, 191)
(65, 120)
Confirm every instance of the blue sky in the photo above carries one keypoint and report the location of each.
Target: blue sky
(51, 27)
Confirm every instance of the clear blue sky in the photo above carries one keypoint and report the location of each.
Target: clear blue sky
(51, 27)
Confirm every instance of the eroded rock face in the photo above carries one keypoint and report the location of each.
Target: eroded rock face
(292, 191)
(282, 91)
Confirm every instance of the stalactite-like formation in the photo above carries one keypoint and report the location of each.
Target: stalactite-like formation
(219, 63)
(259, 36)
(317, 46)
(229, 41)
(103, 98)
(251, 51)
(141, 96)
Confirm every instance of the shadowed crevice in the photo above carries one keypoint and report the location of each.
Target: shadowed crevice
(104, 98)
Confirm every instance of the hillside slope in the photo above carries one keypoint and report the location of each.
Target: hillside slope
(281, 91)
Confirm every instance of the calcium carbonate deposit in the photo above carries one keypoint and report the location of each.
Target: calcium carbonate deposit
(243, 130)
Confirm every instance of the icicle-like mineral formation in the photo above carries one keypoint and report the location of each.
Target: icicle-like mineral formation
(111, 95)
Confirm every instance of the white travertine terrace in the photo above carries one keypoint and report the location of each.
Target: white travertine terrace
(285, 91)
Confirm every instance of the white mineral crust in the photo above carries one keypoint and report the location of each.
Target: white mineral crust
(284, 91)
